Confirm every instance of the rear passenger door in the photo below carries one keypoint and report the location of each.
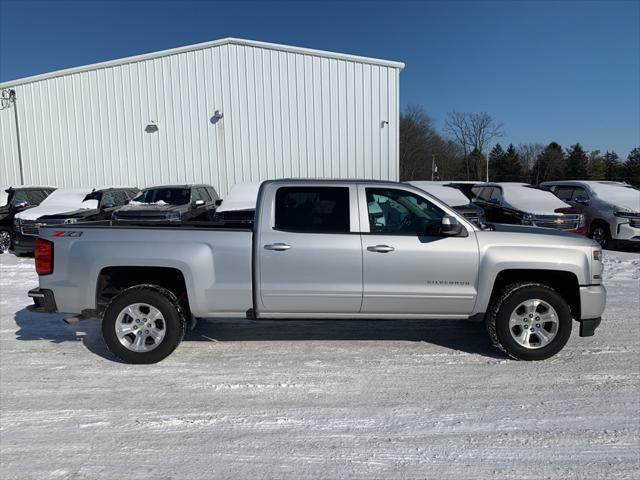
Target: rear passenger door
(308, 250)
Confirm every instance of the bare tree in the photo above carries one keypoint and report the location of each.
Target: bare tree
(529, 153)
(473, 132)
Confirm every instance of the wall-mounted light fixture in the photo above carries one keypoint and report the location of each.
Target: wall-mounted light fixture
(217, 116)
(151, 127)
(384, 123)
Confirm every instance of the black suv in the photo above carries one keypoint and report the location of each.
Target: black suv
(170, 203)
(109, 199)
(81, 205)
(12, 201)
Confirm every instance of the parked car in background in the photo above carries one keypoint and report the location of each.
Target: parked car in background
(611, 209)
(519, 203)
(64, 206)
(238, 208)
(14, 200)
(172, 203)
(465, 187)
(108, 200)
(453, 197)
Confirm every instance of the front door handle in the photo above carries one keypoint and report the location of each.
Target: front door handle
(278, 247)
(381, 248)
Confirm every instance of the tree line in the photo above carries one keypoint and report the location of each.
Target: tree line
(461, 154)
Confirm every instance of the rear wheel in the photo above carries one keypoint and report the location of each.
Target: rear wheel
(529, 321)
(5, 239)
(143, 324)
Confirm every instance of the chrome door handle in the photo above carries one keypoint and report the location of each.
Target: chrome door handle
(381, 248)
(278, 247)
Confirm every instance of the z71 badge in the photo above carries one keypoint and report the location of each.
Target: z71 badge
(65, 233)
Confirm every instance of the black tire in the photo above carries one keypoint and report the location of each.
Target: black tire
(497, 320)
(5, 239)
(158, 297)
(600, 232)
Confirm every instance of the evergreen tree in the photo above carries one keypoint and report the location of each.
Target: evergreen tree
(576, 165)
(612, 166)
(597, 170)
(549, 165)
(478, 163)
(512, 167)
(496, 159)
(632, 167)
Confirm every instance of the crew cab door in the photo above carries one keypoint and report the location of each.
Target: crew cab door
(308, 251)
(408, 266)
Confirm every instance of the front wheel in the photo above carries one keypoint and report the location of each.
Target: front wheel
(5, 240)
(529, 321)
(143, 324)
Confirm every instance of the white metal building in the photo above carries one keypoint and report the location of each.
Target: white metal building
(219, 112)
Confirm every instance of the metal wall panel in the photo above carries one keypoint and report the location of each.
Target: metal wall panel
(285, 114)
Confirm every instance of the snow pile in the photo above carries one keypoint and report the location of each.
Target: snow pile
(243, 196)
(531, 200)
(159, 202)
(449, 195)
(60, 201)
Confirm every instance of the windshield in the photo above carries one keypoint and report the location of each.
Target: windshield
(66, 197)
(163, 196)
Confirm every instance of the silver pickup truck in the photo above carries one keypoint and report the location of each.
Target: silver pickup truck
(325, 250)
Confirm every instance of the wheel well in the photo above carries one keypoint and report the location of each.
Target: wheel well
(113, 280)
(565, 283)
(598, 222)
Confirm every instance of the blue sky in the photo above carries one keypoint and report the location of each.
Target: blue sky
(550, 71)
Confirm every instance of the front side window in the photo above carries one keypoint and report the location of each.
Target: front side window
(401, 212)
(581, 193)
(564, 193)
(496, 193)
(313, 209)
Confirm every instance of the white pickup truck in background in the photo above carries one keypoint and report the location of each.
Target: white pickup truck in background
(323, 249)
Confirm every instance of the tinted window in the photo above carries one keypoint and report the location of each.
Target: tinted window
(204, 194)
(496, 193)
(213, 193)
(485, 193)
(313, 209)
(564, 193)
(117, 198)
(37, 196)
(401, 212)
(580, 192)
(172, 196)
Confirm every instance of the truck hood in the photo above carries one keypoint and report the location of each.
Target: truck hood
(80, 213)
(522, 234)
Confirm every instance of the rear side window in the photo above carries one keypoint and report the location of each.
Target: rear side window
(312, 209)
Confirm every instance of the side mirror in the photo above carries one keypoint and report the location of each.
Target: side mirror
(450, 226)
(197, 203)
(582, 201)
(218, 202)
(20, 205)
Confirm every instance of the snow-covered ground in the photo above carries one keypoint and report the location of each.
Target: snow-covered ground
(357, 399)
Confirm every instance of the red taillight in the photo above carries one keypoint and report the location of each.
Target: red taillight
(43, 252)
